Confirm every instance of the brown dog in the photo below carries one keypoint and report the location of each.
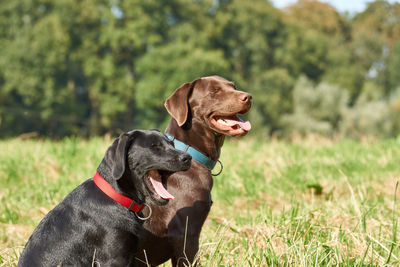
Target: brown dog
(203, 112)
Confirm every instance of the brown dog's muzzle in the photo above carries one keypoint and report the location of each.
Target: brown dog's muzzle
(246, 100)
(226, 121)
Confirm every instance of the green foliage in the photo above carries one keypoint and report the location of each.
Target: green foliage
(395, 107)
(394, 67)
(272, 92)
(304, 53)
(249, 33)
(316, 108)
(368, 119)
(165, 68)
(91, 67)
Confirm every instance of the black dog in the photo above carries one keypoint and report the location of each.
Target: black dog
(91, 225)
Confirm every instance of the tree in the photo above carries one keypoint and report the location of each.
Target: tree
(272, 91)
(394, 67)
(249, 33)
(375, 33)
(319, 45)
(35, 49)
(164, 69)
(304, 52)
(316, 108)
(90, 67)
(322, 17)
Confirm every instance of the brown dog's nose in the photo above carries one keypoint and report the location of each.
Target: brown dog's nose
(245, 97)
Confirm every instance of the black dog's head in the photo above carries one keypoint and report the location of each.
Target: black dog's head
(140, 162)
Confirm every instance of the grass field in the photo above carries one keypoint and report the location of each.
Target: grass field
(309, 202)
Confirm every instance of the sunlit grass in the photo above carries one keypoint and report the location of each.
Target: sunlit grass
(309, 202)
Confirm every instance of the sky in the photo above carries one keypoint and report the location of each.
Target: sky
(351, 6)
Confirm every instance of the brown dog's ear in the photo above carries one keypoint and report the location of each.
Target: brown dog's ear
(177, 104)
(116, 154)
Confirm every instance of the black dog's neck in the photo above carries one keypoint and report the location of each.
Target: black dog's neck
(121, 184)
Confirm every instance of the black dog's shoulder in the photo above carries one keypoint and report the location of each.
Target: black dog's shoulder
(78, 228)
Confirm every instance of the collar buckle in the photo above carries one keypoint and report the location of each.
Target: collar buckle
(220, 170)
(141, 208)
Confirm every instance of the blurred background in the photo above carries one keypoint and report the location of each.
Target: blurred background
(91, 67)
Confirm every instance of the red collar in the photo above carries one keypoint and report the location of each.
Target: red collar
(107, 189)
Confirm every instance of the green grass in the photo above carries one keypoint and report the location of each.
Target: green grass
(309, 202)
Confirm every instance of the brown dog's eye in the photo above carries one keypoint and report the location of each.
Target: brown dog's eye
(215, 90)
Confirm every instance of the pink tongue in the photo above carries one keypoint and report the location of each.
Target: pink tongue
(245, 125)
(160, 190)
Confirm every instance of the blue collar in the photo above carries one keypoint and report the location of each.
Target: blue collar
(197, 155)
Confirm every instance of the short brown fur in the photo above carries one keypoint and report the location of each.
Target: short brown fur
(192, 107)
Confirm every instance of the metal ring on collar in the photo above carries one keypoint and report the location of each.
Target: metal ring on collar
(148, 216)
(222, 167)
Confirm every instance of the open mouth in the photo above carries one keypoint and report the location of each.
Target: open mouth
(230, 124)
(155, 181)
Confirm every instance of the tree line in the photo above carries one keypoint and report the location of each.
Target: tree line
(87, 67)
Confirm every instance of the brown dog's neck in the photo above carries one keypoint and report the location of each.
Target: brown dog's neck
(202, 139)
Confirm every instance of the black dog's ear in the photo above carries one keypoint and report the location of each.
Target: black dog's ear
(116, 154)
(177, 104)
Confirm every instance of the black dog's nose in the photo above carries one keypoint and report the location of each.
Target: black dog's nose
(185, 158)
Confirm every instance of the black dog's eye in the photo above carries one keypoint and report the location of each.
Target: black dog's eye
(155, 145)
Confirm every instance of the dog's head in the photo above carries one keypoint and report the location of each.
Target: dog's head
(214, 101)
(141, 161)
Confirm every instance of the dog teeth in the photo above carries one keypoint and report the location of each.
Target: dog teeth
(221, 121)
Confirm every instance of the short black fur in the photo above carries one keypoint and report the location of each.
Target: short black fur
(88, 227)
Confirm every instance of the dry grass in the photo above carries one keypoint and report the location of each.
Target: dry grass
(309, 202)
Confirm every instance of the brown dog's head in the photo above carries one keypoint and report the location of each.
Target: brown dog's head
(214, 101)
